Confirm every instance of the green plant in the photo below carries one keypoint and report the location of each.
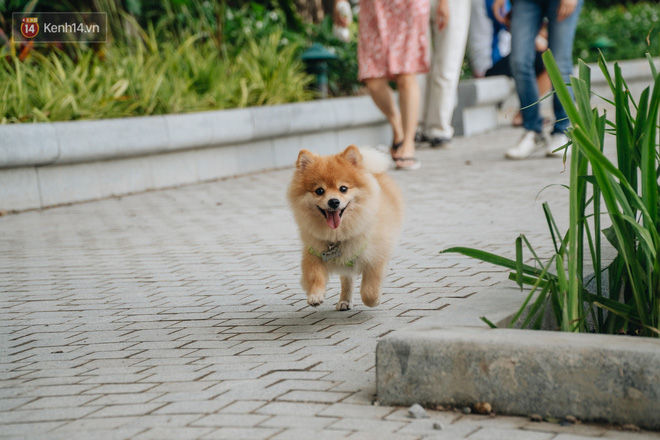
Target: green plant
(621, 31)
(631, 299)
(149, 77)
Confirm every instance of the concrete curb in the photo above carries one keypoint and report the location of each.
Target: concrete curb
(520, 372)
(56, 163)
(477, 108)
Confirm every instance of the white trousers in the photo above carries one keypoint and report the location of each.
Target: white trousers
(446, 63)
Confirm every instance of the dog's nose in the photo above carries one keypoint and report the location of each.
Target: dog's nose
(334, 203)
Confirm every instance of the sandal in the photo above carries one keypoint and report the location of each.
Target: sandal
(395, 147)
(415, 165)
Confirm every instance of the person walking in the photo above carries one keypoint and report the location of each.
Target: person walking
(526, 20)
(489, 48)
(393, 45)
(449, 30)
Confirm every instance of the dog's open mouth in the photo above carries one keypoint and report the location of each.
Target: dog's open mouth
(332, 218)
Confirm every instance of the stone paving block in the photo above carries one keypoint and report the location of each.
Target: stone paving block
(58, 402)
(573, 437)
(356, 411)
(314, 396)
(196, 406)
(361, 435)
(185, 433)
(126, 388)
(123, 399)
(577, 429)
(242, 433)
(10, 403)
(372, 426)
(45, 415)
(307, 423)
(128, 410)
(232, 420)
(88, 424)
(28, 430)
(304, 434)
(508, 434)
(292, 408)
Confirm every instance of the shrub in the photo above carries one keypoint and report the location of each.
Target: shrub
(620, 31)
(628, 191)
(161, 69)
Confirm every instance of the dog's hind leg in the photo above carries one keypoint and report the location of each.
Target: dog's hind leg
(346, 297)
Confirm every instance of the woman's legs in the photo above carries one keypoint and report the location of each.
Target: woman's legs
(381, 93)
(403, 122)
(409, 105)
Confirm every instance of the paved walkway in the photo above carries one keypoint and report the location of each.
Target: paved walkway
(177, 314)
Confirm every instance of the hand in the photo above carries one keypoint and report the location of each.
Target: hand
(566, 8)
(499, 11)
(442, 14)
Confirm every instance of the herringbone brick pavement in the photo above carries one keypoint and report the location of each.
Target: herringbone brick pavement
(178, 314)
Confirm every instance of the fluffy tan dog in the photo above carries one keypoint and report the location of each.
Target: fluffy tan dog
(349, 213)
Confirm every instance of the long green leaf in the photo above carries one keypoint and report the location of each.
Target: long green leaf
(492, 258)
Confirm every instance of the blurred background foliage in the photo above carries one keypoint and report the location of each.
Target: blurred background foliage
(172, 56)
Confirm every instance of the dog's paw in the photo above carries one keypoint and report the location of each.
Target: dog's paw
(315, 300)
(344, 305)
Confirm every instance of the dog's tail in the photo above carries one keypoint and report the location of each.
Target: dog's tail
(375, 161)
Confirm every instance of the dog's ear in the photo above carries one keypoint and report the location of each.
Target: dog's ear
(305, 158)
(352, 154)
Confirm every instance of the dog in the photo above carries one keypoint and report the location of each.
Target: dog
(349, 213)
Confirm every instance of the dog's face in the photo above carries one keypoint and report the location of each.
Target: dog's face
(327, 191)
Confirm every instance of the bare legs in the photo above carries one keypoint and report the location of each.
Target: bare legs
(403, 122)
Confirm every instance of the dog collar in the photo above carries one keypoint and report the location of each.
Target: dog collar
(333, 253)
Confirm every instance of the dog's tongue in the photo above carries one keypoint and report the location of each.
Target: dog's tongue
(333, 219)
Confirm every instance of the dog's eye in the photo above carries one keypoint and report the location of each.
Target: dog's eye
(343, 189)
(320, 191)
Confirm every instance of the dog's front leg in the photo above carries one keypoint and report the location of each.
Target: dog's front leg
(346, 297)
(314, 279)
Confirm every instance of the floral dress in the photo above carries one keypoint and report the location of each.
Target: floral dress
(393, 38)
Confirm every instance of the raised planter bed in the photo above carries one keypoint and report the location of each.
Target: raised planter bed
(48, 164)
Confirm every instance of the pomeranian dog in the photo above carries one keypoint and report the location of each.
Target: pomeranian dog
(349, 213)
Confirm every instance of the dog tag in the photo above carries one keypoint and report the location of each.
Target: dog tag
(332, 253)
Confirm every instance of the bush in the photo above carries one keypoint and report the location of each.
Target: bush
(621, 31)
(164, 68)
(627, 300)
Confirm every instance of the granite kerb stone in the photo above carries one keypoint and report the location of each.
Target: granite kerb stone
(42, 144)
(458, 360)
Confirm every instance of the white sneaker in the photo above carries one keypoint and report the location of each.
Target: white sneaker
(530, 142)
(557, 140)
